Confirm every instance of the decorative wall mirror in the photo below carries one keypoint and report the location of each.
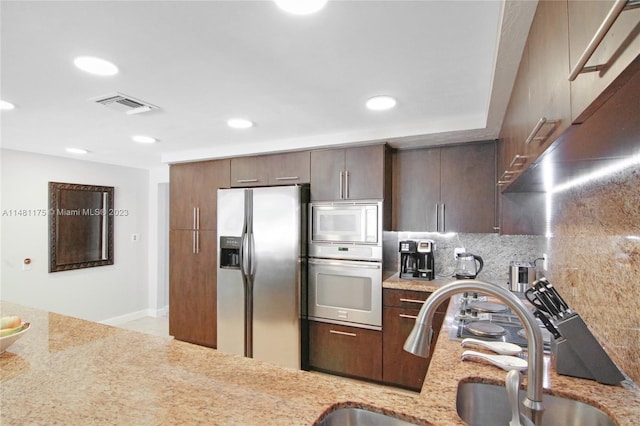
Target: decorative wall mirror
(80, 226)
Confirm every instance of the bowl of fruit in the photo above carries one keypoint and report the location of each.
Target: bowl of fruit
(11, 329)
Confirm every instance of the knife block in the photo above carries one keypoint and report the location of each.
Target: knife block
(578, 354)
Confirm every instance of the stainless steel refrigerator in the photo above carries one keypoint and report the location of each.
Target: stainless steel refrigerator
(261, 272)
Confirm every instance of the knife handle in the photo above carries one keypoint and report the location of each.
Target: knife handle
(547, 324)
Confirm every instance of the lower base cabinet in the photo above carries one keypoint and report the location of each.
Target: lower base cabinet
(376, 355)
(400, 309)
(348, 351)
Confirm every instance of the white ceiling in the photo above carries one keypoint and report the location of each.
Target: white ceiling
(303, 80)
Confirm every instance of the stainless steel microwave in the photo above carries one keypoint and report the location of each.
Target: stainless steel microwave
(346, 230)
(346, 222)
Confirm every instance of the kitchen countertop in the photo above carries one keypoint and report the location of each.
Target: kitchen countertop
(70, 371)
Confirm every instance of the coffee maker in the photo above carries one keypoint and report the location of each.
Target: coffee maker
(417, 260)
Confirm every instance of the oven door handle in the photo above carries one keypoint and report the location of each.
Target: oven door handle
(363, 264)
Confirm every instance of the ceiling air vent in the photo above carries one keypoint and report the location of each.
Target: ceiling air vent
(124, 103)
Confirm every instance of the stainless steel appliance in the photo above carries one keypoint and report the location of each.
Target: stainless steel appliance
(480, 318)
(466, 266)
(357, 224)
(417, 259)
(521, 275)
(345, 263)
(262, 262)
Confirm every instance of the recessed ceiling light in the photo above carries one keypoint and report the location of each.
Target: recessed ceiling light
(144, 139)
(239, 123)
(5, 106)
(379, 103)
(77, 151)
(95, 65)
(301, 7)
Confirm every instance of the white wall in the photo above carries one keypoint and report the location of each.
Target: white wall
(98, 293)
(158, 230)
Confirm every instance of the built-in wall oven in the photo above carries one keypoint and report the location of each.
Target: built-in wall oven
(345, 263)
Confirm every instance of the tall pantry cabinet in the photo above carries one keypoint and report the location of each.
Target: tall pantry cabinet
(193, 249)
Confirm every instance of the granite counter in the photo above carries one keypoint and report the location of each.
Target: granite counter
(70, 371)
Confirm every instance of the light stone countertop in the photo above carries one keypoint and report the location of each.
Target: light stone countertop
(70, 371)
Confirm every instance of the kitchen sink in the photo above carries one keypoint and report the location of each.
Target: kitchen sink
(485, 404)
(360, 416)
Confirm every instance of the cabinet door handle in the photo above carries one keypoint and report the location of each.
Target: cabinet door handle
(342, 333)
(518, 161)
(346, 184)
(444, 220)
(198, 218)
(246, 180)
(437, 218)
(193, 241)
(421, 302)
(194, 219)
(341, 185)
(536, 130)
(606, 25)
(288, 178)
(413, 317)
(197, 242)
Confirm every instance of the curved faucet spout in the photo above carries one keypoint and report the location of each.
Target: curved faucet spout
(419, 340)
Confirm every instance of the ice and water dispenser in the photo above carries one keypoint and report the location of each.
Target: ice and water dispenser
(230, 252)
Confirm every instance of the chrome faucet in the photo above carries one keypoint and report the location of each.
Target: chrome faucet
(419, 340)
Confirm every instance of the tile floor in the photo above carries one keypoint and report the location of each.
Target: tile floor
(158, 326)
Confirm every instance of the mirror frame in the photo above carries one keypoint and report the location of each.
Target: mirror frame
(56, 207)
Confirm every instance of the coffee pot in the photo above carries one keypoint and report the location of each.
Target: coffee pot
(468, 266)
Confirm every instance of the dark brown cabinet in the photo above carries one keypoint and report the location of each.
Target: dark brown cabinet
(349, 174)
(539, 109)
(401, 307)
(448, 189)
(249, 171)
(618, 48)
(349, 351)
(192, 289)
(549, 88)
(549, 94)
(271, 170)
(289, 168)
(193, 249)
(193, 193)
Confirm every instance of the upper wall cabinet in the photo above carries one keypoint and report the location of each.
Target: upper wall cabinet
(571, 65)
(348, 174)
(448, 189)
(539, 109)
(604, 38)
(270, 170)
(193, 189)
(249, 171)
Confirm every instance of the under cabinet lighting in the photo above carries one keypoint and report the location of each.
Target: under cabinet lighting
(381, 103)
(96, 66)
(301, 7)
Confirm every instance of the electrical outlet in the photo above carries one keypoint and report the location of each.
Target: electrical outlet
(135, 237)
(458, 250)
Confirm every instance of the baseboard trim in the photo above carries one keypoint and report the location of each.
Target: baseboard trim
(161, 312)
